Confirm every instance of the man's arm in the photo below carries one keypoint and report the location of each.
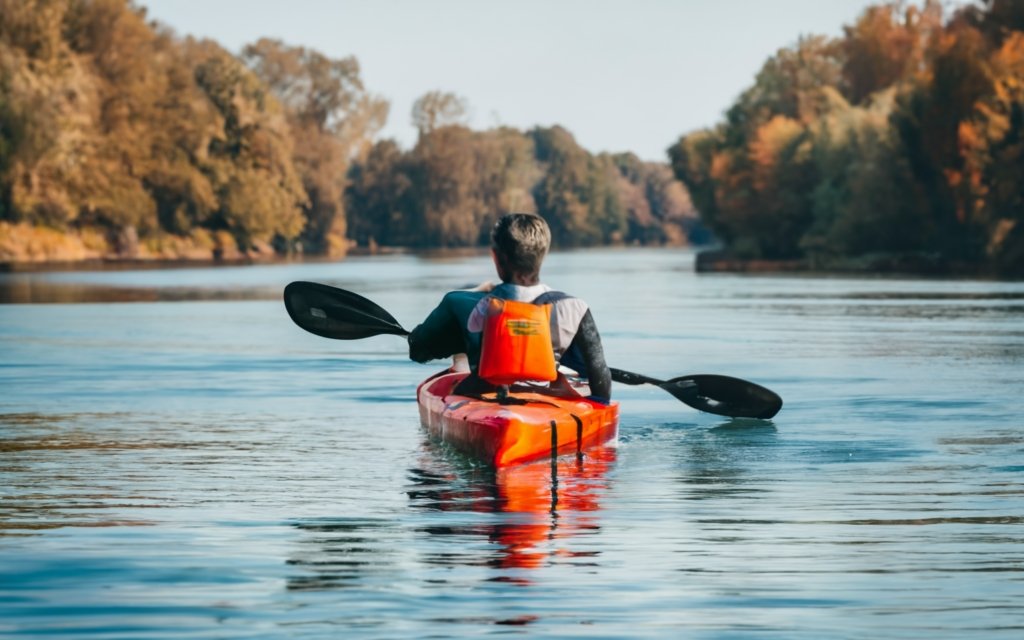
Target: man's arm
(586, 356)
(443, 333)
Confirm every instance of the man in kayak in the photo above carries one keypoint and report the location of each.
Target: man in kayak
(519, 243)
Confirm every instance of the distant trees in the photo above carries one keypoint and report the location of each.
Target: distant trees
(438, 109)
(449, 189)
(901, 138)
(115, 130)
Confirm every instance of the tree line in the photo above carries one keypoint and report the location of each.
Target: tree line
(114, 129)
(902, 140)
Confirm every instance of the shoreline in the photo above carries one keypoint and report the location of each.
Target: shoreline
(707, 261)
(112, 263)
(916, 265)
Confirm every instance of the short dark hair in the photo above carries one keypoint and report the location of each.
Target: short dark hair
(520, 242)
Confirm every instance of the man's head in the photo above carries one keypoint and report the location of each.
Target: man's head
(519, 242)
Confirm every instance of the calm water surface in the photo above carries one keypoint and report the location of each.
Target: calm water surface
(178, 460)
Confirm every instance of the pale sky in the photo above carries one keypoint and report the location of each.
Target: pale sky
(621, 75)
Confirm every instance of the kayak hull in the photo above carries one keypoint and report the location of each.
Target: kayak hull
(536, 426)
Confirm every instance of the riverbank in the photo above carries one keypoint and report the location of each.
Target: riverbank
(915, 264)
(25, 247)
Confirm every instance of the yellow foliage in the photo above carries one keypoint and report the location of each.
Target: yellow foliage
(771, 138)
(22, 242)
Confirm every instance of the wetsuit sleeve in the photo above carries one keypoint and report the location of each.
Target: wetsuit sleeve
(443, 333)
(587, 352)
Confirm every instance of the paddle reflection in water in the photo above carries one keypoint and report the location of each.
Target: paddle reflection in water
(339, 553)
(539, 511)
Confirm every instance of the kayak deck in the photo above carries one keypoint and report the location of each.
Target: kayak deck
(533, 426)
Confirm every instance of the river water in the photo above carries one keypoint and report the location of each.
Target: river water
(178, 460)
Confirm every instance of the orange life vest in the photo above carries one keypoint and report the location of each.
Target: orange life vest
(516, 342)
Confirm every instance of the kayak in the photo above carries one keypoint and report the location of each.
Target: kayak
(530, 424)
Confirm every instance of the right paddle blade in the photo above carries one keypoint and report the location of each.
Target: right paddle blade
(725, 396)
(336, 313)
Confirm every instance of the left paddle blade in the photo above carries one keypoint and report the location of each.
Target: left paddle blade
(336, 313)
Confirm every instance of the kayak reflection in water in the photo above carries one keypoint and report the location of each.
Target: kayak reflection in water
(544, 511)
(499, 335)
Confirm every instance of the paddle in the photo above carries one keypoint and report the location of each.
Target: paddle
(342, 315)
(335, 313)
(721, 395)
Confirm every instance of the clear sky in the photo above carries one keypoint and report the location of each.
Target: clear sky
(621, 75)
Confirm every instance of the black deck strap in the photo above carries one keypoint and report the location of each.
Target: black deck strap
(579, 435)
(507, 400)
(512, 400)
(473, 386)
(560, 387)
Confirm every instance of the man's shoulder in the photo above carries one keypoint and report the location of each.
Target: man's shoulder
(465, 294)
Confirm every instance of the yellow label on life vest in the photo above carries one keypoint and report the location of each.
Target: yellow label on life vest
(516, 342)
(519, 327)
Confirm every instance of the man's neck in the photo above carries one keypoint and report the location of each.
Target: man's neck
(523, 282)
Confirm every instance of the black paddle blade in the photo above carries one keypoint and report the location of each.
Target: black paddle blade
(725, 396)
(336, 313)
(721, 395)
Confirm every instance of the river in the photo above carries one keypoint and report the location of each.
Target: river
(178, 460)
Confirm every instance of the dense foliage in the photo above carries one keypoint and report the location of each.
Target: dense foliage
(109, 122)
(114, 129)
(448, 190)
(904, 139)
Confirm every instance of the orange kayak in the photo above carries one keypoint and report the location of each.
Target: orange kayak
(531, 425)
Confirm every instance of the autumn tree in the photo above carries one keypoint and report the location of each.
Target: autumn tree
(992, 140)
(436, 109)
(380, 200)
(567, 195)
(46, 100)
(751, 177)
(887, 45)
(332, 120)
(250, 160)
(927, 120)
(908, 152)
